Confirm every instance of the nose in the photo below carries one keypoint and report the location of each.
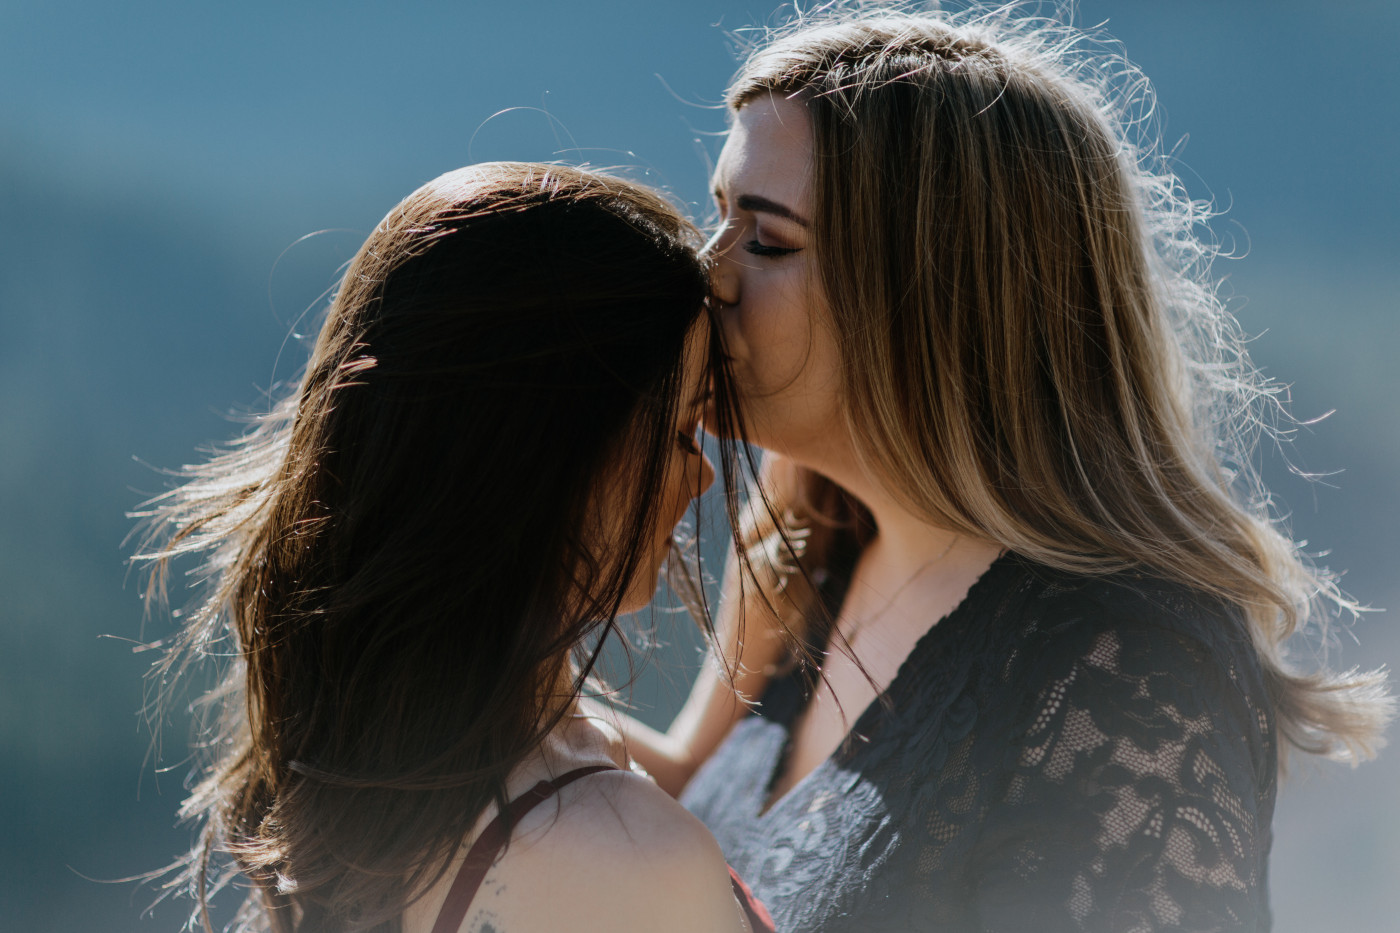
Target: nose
(724, 281)
(724, 276)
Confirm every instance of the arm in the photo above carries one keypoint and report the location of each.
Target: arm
(714, 704)
(751, 640)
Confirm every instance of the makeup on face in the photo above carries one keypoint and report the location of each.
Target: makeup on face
(787, 364)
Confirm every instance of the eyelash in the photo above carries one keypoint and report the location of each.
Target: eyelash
(687, 443)
(756, 248)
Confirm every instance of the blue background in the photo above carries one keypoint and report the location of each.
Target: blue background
(160, 163)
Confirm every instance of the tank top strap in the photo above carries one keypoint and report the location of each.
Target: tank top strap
(482, 855)
(760, 920)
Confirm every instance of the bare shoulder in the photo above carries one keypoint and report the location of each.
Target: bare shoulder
(616, 853)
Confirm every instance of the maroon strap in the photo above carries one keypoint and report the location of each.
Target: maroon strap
(760, 921)
(482, 855)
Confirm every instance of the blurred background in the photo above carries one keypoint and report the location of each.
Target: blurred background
(161, 167)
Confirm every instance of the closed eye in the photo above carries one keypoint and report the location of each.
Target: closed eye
(687, 443)
(754, 247)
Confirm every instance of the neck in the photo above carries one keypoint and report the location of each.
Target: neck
(576, 739)
(905, 542)
(563, 700)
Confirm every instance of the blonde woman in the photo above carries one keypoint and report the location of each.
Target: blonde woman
(1018, 531)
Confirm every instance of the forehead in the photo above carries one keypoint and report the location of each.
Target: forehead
(768, 152)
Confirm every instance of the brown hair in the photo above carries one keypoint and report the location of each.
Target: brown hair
(1033, 349)
(398, 566)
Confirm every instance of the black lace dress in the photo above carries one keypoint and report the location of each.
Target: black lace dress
(1060, 753)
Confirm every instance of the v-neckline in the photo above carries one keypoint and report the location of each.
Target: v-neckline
(767, 802)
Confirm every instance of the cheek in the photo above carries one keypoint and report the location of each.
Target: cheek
(777, 336)
(676, 496)
(792, 369)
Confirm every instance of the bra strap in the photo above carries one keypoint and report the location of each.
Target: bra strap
(482, 855)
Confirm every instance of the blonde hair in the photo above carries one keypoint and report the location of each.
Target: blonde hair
(1034, 351)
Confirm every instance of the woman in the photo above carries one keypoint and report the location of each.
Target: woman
(1007, 422)
(415, 561)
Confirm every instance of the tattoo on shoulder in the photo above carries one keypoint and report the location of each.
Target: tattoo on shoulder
(487, 922)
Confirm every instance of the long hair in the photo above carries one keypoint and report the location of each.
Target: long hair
(1034, 352)
(399, 562)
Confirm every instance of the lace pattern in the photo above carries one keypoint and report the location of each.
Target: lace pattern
(1060, 753)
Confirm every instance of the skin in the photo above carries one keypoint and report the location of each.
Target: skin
(787, 362)
(615, 851)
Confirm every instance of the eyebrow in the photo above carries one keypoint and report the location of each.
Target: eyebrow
(761, 205)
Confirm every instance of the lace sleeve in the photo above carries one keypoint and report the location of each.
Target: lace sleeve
(1140, 782)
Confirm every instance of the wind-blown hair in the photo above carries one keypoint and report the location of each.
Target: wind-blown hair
(1033, 349)
(399, 558)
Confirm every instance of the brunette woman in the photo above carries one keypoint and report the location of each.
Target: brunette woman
(414, 562)
(1009, 424)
